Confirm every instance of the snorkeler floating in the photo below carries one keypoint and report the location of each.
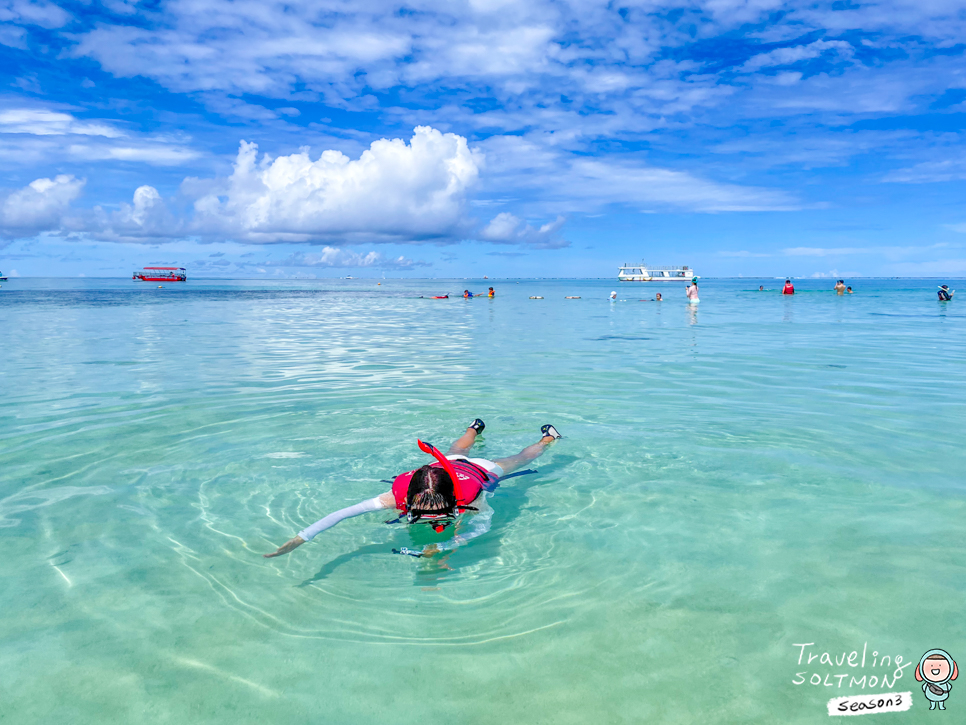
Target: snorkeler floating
(438, 493)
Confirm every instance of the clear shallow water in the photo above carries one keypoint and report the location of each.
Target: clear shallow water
(735, 479)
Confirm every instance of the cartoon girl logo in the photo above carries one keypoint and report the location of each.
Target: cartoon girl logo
(936, 671)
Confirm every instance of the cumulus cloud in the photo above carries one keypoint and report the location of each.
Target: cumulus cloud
(39, 206)
(335, 257)
(395, 191)
(506, 228)
(146, 219)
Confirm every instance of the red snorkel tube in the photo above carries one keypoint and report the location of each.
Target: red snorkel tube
(443, 460)
(445, 463)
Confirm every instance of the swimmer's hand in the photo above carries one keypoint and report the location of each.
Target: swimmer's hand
(287, 547)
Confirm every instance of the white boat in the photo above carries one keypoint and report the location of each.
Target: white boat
(645, 273)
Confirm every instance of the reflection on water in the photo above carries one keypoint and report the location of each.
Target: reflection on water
(723, 489)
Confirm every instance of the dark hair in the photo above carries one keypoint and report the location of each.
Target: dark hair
(430, 490)
(788, 281)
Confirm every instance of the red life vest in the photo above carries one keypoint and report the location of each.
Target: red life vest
(468, 479)
(789, 289)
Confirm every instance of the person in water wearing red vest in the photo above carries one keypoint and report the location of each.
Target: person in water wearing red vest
(438, 492)
(789, 288)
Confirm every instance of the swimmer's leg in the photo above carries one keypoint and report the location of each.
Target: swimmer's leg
(509, 465)
(463, 444)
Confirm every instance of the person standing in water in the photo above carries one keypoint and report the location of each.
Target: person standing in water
(692, 291)
(438, 493)
(789, 288)
(491, 293)
(657, 297)
(761, 288)
(840, 287)
(945, 294)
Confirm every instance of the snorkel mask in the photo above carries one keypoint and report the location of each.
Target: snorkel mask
(438, 521)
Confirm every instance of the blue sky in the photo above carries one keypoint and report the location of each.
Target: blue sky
(267, 139)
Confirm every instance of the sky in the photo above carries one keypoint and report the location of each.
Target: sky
(263, 139)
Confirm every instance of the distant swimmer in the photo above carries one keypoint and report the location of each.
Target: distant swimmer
(613, 296)
(657, 297)
(945, 294)
(491, 293)
(467, 294)
(692, 291)
(849, 289)
(439, 493)
(840, 287)
(789, 288)
(761, 288)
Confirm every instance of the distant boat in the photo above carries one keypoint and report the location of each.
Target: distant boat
(644, 273)
(2, 278)
(161, 274)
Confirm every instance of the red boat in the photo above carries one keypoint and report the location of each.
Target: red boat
(161, 274)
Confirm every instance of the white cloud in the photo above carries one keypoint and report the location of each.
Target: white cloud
(38, 206)
(609, 182)
(394, 191)
(891, 253)
(33, 12)
(48, 134)
(156, 154)
(333, 257)
(13, 36)
(826, 275)
(928, 172)
(145, 219)
(558, 183)
(506, 228)
(42, 122)
(788, 56)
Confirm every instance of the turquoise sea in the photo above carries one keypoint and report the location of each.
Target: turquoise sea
(735, 479)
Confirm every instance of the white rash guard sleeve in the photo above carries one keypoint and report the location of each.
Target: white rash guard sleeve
(363, 507)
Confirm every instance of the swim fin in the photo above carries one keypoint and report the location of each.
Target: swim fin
(549, 430)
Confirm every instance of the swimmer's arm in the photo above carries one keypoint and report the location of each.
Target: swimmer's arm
(479, 525)
(383, 501)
